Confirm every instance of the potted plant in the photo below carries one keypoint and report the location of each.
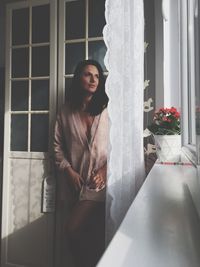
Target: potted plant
(166, 130)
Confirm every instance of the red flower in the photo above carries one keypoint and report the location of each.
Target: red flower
(166, 121)
(165, 118)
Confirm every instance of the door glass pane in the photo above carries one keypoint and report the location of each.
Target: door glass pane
(75, 20)
(19, 95)
(20, 26)
(40, 95)
(97, 51)
(73, 54)
(40, 61)
(19, 132)
(39, 132)
(20, 63)
(96, 17)
(40, 24)
(68, 82)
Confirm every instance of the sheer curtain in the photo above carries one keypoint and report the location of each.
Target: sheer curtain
(124, 38)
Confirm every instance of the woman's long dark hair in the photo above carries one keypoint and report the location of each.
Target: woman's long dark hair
(75, 94)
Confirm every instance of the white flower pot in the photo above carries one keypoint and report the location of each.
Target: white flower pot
(168, 147)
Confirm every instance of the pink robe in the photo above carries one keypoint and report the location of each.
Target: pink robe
(72, 147)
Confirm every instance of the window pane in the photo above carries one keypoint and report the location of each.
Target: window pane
(75, 20)
(19, 95)
(20, 26)
(73, 54)
(40, 95)
(39, 132)
(20, 61)
(41, 23)
(68, 82)
(19, 132)
(96, 17)
(197, 82)
(40, 61)
(97, 51)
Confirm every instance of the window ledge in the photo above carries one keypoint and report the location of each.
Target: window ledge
(190, 152)
(162, 226)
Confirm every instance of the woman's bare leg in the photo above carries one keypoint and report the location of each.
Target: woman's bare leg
(86, 232)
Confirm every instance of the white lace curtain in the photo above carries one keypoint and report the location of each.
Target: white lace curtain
(124, 38)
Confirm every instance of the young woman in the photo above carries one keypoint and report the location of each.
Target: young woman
(81, 142)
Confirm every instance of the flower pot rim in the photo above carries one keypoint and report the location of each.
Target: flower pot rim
(167, 135)
(159, 136)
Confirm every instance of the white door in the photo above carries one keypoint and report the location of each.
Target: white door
(30, 237)
(80, 37)
(30, 107)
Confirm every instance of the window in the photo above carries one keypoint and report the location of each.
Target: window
(80, 37)
(181, 68)
(32, 72)
(29, 77)
(189, 27)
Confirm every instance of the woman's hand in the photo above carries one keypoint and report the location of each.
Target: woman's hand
(75, 179)
(98, 179)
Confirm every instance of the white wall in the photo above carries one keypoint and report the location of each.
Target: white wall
(159, 90)
(171, 55)
(167, 63)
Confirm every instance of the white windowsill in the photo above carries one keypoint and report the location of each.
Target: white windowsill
(162, 226)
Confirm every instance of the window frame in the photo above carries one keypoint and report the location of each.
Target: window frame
(179, 20)
(62, 42)
(187, 79)
(52, 80)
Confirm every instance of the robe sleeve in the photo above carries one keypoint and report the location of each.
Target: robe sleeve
(61, 161)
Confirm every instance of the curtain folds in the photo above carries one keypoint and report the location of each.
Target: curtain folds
(124, 38)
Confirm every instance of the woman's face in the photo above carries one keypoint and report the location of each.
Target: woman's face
(89, 79)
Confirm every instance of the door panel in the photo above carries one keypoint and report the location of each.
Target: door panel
(78, 40)
(27, 229)
(30, 109)
(29, 237)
